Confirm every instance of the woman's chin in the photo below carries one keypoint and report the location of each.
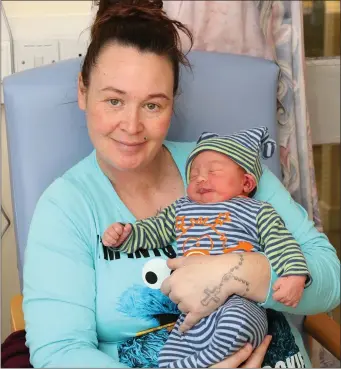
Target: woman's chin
(129, 165)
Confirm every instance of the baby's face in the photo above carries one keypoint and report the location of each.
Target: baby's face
(215, 178)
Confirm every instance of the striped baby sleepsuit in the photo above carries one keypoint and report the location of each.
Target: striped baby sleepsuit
(240, 224)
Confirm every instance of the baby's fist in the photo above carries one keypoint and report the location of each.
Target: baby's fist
(116, 234)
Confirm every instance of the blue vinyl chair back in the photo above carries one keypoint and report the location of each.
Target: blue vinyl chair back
(47, 132)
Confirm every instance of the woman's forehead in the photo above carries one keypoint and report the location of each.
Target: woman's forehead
(130, 70)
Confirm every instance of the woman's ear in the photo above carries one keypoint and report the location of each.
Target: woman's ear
(81, 93)
(249, 183)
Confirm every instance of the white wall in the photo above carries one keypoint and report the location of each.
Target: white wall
(323, 99)
(9, 271)
(43, 8)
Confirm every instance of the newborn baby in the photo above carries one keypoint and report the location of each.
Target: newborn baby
(217, 216)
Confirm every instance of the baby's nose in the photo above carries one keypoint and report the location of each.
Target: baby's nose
(201, 178)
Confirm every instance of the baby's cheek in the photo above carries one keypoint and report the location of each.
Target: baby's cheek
(191, 190)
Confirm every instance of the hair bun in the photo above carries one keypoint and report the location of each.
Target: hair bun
(104, 5)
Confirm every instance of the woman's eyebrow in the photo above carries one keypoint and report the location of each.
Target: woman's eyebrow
(121, 92)
(160, 95)
(113, 89)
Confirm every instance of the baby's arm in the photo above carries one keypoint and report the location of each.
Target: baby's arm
(150, 233)
(116, 234)
(289, 290)
(285, 255)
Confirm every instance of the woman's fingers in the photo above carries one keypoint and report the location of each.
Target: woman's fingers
(177, 263)
(166, 287)
(257, 357)
(183, 308)
(176, 300)
(190, 321)
(235, 360)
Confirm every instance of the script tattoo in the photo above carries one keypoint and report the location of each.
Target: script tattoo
(212, 294)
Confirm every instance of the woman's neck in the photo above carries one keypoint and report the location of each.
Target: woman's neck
(139, 181)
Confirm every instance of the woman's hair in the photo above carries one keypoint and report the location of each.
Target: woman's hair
(138, 23)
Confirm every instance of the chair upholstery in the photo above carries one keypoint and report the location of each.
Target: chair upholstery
(47, 132)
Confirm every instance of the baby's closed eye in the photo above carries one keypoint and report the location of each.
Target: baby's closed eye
(216, 171)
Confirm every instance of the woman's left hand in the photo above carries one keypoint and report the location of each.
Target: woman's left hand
(200, 284)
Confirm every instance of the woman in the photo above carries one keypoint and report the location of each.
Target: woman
(87, 306)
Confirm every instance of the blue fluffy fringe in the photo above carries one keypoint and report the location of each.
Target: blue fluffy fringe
(144, 302)
(143, 352)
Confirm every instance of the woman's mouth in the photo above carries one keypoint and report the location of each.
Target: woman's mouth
(129, 146)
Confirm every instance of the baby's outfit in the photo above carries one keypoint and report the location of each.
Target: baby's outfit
(241, 225)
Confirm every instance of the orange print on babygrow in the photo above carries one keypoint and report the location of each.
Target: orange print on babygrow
(201, 222)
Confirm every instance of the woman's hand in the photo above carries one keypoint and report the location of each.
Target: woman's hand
(245, 358)
(200, 284)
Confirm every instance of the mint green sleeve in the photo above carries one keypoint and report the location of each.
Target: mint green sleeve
(323, 264)
(59, 283)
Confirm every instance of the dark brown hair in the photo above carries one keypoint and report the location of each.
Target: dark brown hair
(138, 23)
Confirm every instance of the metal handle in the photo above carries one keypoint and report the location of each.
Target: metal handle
(8, 222)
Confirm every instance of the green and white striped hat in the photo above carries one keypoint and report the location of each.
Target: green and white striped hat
(245, 148)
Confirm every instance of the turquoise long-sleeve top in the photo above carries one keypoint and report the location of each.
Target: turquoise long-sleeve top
(83, 301)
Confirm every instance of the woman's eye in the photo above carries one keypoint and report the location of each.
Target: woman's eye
(114, 102)
(152, 107)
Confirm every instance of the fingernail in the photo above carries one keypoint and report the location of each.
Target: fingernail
(248, 346)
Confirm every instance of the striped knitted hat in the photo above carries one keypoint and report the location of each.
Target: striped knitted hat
(244, 148)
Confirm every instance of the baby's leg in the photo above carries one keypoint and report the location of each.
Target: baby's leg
(215, 337)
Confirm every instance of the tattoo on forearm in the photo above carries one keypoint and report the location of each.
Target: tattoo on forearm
(212, 294)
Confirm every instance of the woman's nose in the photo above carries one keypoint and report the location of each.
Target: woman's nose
(132, 123)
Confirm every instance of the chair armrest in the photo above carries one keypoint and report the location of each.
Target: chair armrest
(324, 330)
(17, 315)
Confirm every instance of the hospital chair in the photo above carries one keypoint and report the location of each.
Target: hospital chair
(47, 134)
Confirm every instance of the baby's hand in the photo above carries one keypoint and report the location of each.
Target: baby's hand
(116, 234)
(289, 290)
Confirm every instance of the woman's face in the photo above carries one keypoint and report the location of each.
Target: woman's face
(128, 105)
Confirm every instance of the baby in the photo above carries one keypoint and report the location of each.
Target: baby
(217, 216)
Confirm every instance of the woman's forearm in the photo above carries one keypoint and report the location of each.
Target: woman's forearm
(246, 274)
(200, 284)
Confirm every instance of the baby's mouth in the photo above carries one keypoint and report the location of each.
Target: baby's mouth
(204, 190)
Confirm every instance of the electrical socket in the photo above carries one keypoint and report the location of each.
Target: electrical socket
(32, 54)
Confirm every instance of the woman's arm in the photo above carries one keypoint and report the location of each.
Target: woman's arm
(59, 284)
(323, 264)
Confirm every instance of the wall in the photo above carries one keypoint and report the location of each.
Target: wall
(323, 99)
(9, 272)
(43, 8)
